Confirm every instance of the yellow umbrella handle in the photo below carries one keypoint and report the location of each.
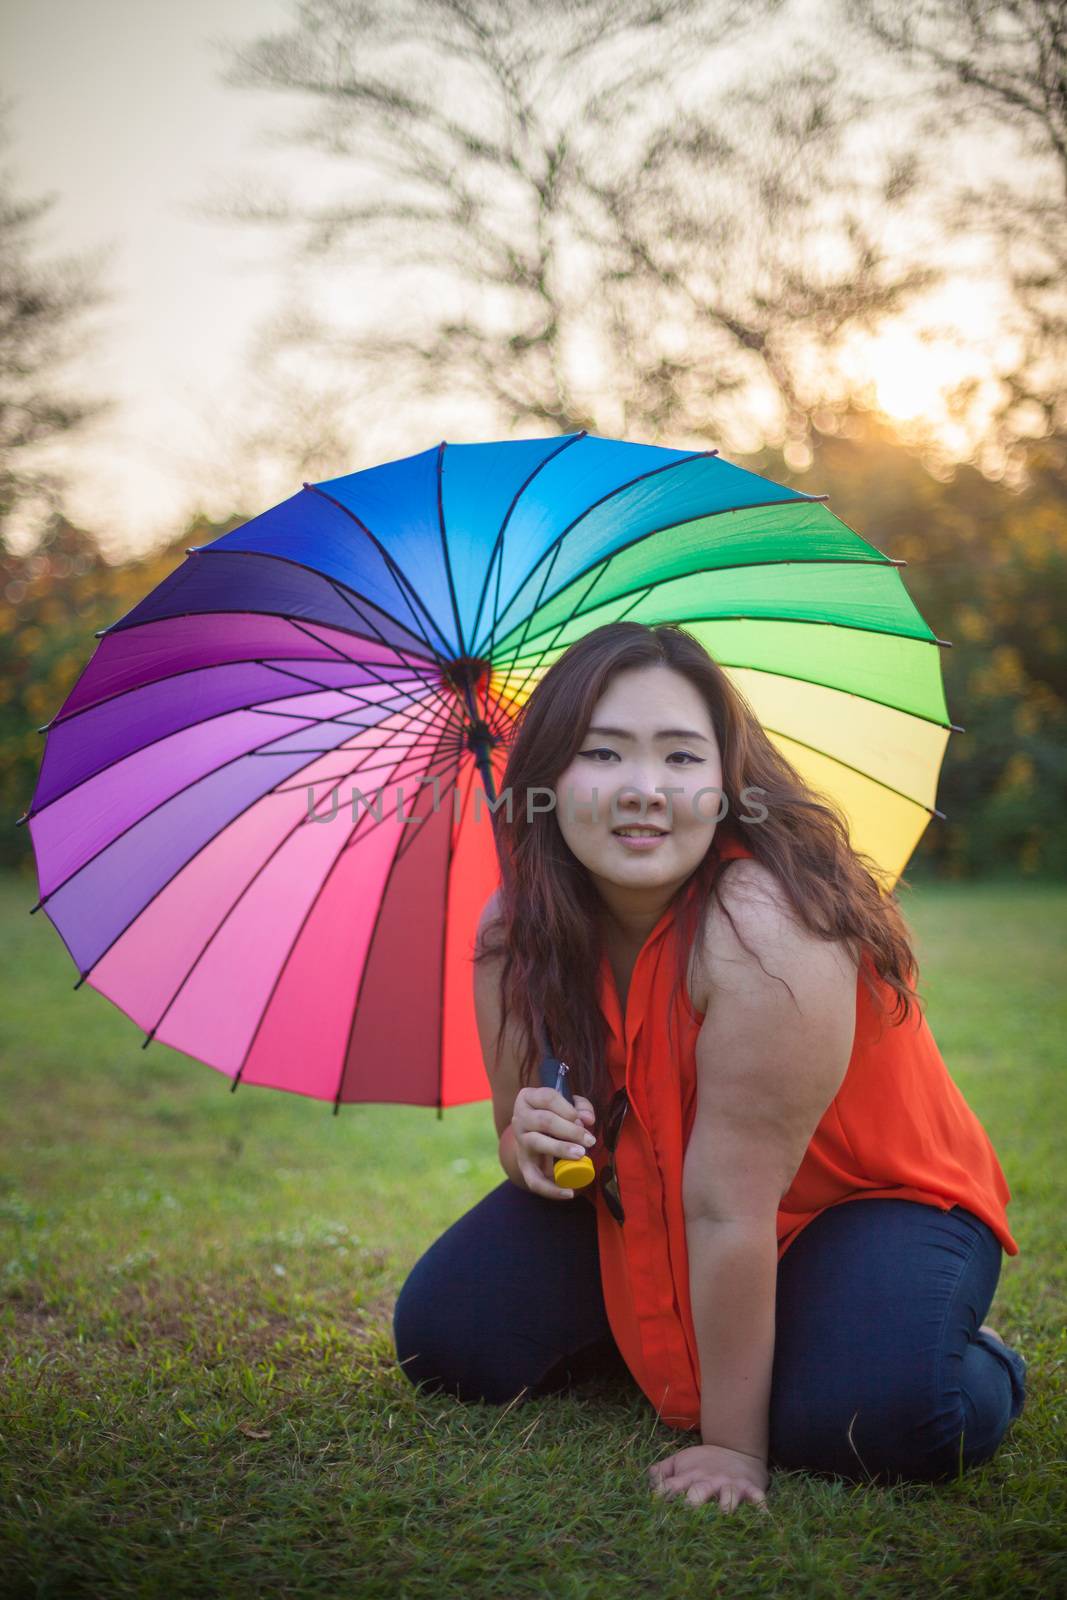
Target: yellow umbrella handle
(570, 1172)
(574, 1173)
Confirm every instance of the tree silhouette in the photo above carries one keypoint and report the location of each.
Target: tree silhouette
(585, 223)
(42, 307)
(1002, 63)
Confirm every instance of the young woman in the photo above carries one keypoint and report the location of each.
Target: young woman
(798, 1222)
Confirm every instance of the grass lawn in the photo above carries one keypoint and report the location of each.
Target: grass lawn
(200, 1394)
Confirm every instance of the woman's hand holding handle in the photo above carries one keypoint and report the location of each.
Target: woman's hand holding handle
(549, 1128)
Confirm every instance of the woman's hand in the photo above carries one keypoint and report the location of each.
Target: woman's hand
(709, 1472)
(548, 1129)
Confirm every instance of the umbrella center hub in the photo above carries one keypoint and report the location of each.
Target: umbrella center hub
(465, 672)
(466, 676)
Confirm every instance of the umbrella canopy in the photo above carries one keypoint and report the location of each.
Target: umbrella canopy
(260, 822)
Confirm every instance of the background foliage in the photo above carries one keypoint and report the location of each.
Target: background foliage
(987, 567)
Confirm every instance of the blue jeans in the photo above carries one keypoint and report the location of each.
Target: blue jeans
(880, 1372)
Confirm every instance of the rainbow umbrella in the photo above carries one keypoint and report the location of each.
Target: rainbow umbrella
(260, 822)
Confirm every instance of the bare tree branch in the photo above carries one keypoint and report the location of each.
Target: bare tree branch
(1002, 62)
(568, 163)
(42, 309)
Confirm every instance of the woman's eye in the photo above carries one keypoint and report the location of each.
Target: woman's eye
(603, 751)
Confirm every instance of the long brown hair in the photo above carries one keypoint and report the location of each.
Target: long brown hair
(547, 918)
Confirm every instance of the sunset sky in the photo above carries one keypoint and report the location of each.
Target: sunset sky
(117, 108)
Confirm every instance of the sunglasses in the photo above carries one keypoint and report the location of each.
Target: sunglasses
(609, 1182)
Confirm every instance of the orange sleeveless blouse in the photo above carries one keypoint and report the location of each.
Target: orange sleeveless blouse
(897, 1128)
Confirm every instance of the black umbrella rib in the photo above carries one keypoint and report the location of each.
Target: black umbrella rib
(203, 777)
(253, 706)
(386, 682)
(352, 771)
(439, 468)
(644, 589)
(619, 488)
(650, 533)
(212, 666)
(282, 965)
(329, 750)
(354, 694)
(498, 543)
(408, 592)
(208, 666)
(362, 981)
(431, 735)
(264, 555)
(794, 677)
(829, 756)
(456, 747)
(440, 1009)
(531, 613)
(604, 565)
(357, 661)
(241, 611)
(261, 868)
(808, 622)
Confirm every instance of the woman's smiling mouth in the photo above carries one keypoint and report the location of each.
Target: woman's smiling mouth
(639, 837)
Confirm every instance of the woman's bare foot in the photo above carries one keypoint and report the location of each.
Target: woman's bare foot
(985, 1328)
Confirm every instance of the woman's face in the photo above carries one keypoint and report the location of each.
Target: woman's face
(635, 766)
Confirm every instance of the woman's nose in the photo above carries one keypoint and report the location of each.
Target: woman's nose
(637, 803)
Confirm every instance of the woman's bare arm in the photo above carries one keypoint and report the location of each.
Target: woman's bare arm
(503, 1075)
(768, 1066)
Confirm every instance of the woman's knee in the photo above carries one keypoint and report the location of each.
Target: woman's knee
(863, 1440)
(879, 1372)
(894, 1425)
(978, 1410)
(485, 1312)
(446, 1340)
(414, 1334)
(978, 1392)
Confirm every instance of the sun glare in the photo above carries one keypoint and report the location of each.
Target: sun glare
(910, 378)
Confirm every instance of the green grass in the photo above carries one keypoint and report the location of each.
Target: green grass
(200, 1394)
